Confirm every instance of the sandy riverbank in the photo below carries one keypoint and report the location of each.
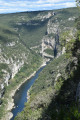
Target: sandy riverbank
(10, 104)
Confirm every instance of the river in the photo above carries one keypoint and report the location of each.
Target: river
(20, 96)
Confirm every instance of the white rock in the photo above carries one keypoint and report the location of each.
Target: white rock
(11, 44)
(2, 86)
(63, 50)
(58, 75)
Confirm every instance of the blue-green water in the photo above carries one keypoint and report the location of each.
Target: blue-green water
(21, 95)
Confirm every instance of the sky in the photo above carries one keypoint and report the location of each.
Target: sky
(11, 6)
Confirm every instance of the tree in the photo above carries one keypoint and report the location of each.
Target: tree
(78, 3)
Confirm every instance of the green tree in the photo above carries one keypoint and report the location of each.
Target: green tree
(78, 3)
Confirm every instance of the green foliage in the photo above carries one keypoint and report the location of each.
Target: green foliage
(63, 38)
(33, 33)
(7, 34)
(65, 113)
(78, 3)
(3, 66)
(49, 51)
(51, 35)
(69, 46)
(67, 41)
(78, 23)
(59, 83)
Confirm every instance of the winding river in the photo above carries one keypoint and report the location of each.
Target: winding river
(21, 95)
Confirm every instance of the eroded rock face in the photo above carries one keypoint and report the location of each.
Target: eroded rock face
(52, 27)
(10, 67)
(6, 78)
(42, 17)
(11, 44)
(71, 19)
(7, 75)
(63, 50)
(16, 67)
(48, 42)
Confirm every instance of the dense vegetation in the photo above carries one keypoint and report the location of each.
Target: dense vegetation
(49, 51)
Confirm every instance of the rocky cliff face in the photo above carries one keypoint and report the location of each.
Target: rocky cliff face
(51, 40)
(13, 66)
(52, 27)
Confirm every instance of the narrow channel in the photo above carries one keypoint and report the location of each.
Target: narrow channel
(20, 96)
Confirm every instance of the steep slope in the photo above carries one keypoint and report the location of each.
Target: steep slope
(53, 95)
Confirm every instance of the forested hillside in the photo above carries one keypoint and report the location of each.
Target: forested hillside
(54, 94)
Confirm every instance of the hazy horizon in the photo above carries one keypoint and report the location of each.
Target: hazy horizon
(8, 6)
